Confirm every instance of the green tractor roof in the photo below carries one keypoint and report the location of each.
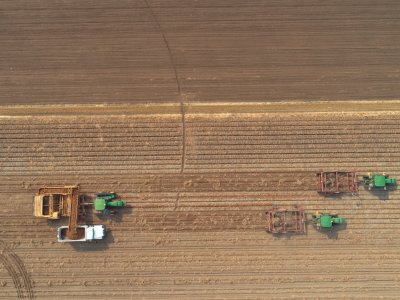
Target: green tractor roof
(379, 180)
(326, 221)
(100, 204)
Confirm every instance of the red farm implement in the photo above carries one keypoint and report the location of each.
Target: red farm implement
(286, 220)
(337, 182)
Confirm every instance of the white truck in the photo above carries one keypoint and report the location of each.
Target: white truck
(86, 233)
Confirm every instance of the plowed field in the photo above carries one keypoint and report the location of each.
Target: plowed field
(199, 185)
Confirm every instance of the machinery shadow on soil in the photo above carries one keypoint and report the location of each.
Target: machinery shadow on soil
(333, 234)
(92, 246)
(56, 223)
(340, 196)
(382, 194)
(99, 245)
(116, 216)
(288, 235)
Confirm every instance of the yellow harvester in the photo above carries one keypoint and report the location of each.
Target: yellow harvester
(55, 202)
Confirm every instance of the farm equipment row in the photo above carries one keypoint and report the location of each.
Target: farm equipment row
(294, 220)
(347, 182)
(54, 203)
(280, 220)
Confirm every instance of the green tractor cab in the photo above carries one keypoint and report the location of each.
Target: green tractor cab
(104, 201)
(327, 220)
(379, 181)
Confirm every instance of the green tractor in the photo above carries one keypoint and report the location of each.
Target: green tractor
(105, 201)
(327, 221)
(378, 180)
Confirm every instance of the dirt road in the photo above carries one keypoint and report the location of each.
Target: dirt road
(198, 193)
(157, 51)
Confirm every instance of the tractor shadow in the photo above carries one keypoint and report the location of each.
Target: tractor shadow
(93, 246)
(333, 233)
(115, 216)
(381, 194)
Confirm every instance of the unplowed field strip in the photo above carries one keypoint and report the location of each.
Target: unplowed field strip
(153, 51)
(200, 233)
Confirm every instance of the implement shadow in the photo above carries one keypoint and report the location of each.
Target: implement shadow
(288, 235)
(338, 196)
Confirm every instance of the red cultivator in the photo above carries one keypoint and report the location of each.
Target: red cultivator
(286, 220)
(337, 182)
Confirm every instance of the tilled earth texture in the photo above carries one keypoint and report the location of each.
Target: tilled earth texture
(103, 51)
(199, 178)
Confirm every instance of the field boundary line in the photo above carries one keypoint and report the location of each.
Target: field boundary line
(198, 108)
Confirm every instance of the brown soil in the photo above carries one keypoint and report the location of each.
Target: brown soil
(196, 225)
(155, 51)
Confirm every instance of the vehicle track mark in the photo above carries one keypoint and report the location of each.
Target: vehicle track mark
(15, 267)
(177, 201)
(173, 65)
(14, 276)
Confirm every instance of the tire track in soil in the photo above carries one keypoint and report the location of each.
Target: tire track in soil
(178, 83)
(15, 267)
